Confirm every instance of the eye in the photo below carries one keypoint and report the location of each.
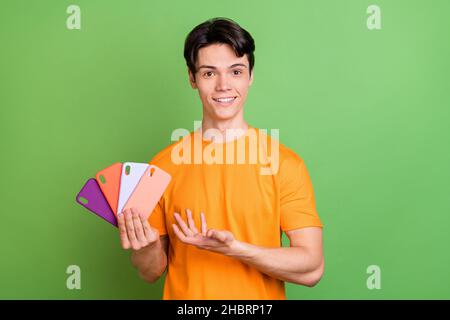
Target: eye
(208, 74)
(237, 72)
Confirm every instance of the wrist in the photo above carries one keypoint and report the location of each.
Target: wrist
(242, 251)
(143, 257)
(152, 246)
(145, 251)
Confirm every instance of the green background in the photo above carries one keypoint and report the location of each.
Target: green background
(368, 111)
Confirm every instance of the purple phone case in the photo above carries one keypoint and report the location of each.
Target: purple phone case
(96, 201)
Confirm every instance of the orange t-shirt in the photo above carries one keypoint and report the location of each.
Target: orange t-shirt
(237, 197)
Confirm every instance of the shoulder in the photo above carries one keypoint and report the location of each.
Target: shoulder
(292, 165)
(163, 159)
(288, 158)
(284, 151)
(283, 160)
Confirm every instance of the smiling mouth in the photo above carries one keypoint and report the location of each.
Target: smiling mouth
(225, 100)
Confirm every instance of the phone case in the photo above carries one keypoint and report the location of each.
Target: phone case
(92, 198)
(109, 181)
(131, 174)
(149, 190)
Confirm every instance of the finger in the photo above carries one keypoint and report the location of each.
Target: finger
(148, 232)
(138, 229)
(219, 236)
(130, 230)
(178, 233)
(187, 232)
(125, 211)
(191, 221)
(209, 233)
(123, 232)
(204, 227)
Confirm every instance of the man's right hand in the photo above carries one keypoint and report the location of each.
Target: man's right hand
(135, 231)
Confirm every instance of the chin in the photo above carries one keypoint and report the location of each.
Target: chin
(225, 115)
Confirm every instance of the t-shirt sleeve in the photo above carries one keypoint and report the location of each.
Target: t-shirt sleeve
(297, 204)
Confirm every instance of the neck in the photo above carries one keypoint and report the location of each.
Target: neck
(237, 122)
(222, 125)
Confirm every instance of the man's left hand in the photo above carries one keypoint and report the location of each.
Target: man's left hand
(219, 241)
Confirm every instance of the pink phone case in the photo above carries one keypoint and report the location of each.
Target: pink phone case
(149, 190)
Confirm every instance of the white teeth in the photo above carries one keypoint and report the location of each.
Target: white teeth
(225, 99)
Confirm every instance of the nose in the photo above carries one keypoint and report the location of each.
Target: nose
(222, 83)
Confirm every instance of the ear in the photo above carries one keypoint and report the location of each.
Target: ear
(251, 77)
(192, 79)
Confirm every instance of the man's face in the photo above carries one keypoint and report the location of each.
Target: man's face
(222, 80)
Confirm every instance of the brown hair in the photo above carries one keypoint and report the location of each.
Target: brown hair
(218, 30)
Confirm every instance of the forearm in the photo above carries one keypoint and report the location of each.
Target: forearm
(151, 261)
(293, 264)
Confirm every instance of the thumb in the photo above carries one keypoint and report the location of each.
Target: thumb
(219, 235)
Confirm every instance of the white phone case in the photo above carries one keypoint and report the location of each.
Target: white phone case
(129, 181)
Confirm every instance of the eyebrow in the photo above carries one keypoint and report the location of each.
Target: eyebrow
(232, 66)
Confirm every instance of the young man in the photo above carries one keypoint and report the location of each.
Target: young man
(241, 256)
